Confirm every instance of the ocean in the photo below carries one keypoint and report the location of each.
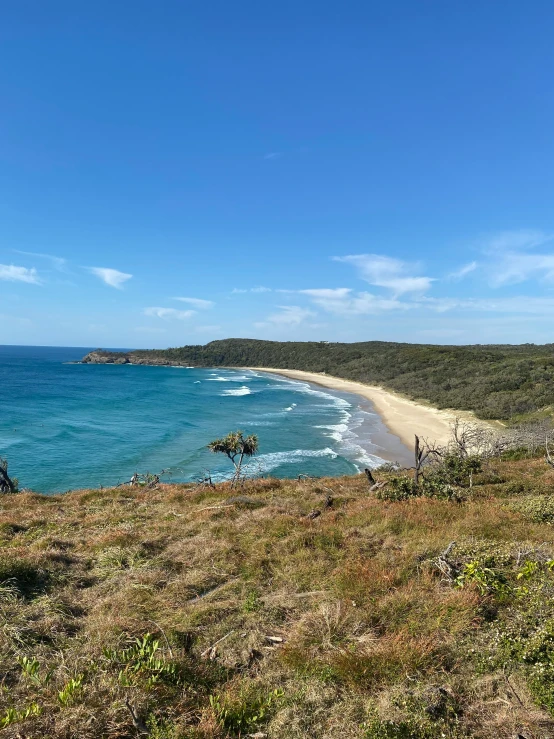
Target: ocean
(65, 425)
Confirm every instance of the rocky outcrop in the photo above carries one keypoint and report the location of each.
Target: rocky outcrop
(100, 356)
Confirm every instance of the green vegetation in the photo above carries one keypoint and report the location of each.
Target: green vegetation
(236, 447)
(417, 610)
(496, 382)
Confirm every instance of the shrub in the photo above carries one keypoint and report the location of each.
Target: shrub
(398, 488)
(141, 662)
(405, 729)
(484, 578)
(457, 469)
(245, 712)
(14, 716)
(536, 508)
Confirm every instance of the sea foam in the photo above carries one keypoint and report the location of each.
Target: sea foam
(237, 391)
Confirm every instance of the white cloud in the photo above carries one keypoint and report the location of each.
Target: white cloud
(197, 302)
(58, 263)
(169, 313)
(516, 267)
(11, 273)
(387, 272)
(516, 240)
(343, 301)
(112, 277)
(513, 257)
(459, 274)
(519, 304)
(273, 155)
(260, 289)
(290, 315)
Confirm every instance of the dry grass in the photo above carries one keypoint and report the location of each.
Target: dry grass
(344, 616)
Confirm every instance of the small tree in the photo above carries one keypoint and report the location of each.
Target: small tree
(7, 485)
(236, 447)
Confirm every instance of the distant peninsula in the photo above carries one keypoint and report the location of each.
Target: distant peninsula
(508, 382)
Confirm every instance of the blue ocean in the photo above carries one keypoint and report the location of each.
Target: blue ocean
(65, 425)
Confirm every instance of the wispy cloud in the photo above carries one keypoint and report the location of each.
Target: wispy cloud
(112, 277)
(506, 241)
(388, 272)
(169, 313)
(12, 273)
(459, 274)
(343, 301)
(197, 302)
(58, 263)
(519, 267)
(521, 304)
(289, 315)
(513, 257)
(273, 155)
(259, 289)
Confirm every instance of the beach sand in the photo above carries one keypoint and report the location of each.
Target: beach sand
(403, 417)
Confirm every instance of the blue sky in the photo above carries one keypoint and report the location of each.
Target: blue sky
(175, 172)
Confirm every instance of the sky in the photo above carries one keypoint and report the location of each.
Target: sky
(176, 172)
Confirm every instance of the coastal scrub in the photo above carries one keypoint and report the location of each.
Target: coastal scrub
(188, 611)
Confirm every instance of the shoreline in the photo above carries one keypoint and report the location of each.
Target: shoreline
(404, 418)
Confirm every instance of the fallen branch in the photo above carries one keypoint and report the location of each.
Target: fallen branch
(377, 486)
(214, 508)
(208, 651)
(448, 569)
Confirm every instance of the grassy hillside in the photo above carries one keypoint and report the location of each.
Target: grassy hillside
(185, 612)
(503, 382)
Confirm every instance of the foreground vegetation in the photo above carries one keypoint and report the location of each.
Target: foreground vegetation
(308, 608)
(496, 382)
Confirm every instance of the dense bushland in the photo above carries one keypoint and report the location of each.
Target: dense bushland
(496, 382)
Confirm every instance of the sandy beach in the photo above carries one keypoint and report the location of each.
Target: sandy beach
(403, 417)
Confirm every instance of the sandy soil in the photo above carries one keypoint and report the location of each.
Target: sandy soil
(403, 417)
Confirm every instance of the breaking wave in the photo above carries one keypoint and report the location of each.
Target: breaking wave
(237, 391)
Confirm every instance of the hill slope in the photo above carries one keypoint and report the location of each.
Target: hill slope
(496, 382)
(194, 612)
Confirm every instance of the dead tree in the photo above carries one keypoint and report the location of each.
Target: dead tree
(471, 439)
(6, 483)
(422, 451)
(548, 456)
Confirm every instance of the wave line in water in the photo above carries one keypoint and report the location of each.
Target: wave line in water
(237, 391)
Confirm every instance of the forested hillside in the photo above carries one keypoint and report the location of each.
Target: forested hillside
(495, 381)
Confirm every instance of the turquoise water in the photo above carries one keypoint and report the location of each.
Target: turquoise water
(65, 426)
